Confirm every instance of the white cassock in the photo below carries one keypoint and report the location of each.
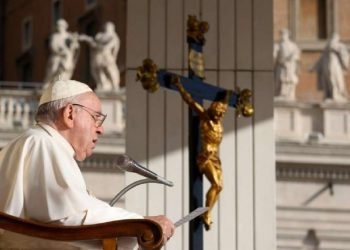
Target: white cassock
(41, 181)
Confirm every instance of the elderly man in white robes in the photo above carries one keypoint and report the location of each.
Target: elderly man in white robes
(39, 176)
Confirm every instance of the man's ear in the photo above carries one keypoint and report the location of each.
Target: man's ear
(68, 116)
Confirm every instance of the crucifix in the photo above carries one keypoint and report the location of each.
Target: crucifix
(205, 125)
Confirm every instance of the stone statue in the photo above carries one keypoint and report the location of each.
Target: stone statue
(64, 48)
(211, 132)
(104, 52)
(333, 61)
(287, 56)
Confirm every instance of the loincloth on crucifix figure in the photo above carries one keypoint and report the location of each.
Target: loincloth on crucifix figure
(211, 132)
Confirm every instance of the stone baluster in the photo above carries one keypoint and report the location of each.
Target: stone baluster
(8, 112)
(120, 117)
(17, 115)
(27, 119)
(2, 110)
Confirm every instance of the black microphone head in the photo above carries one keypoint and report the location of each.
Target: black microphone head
(124, 162)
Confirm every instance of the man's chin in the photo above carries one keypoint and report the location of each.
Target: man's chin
(80, 157)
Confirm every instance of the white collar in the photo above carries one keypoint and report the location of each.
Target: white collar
(56, 135)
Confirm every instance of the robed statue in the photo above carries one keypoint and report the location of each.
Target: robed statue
(104, 49)
(64, 52)
(330, 69)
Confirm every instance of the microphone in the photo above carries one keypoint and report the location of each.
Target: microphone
(125, 163)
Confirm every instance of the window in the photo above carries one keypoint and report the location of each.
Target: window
(313, 20)
(27, 30)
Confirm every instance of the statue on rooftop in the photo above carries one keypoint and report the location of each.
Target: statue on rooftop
(287, 56)
(103, 63)
(64, 52)
(330, 70)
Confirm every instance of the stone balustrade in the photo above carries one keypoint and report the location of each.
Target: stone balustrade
(326, 122)
(312, 141)
(18, 107)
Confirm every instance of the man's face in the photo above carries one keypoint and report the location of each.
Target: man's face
(216, 114)
(86, 131)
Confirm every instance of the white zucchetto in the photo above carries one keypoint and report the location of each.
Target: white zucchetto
(63, 89)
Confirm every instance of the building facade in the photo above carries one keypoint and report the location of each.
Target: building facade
(311, 23)
(312, 134)
(28, 25)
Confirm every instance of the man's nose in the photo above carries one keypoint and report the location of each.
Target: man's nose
(100, 130)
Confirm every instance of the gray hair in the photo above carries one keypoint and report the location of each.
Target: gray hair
(50, 111)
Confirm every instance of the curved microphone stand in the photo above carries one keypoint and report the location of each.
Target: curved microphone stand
(134, 184)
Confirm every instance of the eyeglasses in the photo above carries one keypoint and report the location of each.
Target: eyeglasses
(98, 117)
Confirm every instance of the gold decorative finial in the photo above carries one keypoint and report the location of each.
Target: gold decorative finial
(195, 35)
(244, 106)
(147, 74)
(196, 29)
